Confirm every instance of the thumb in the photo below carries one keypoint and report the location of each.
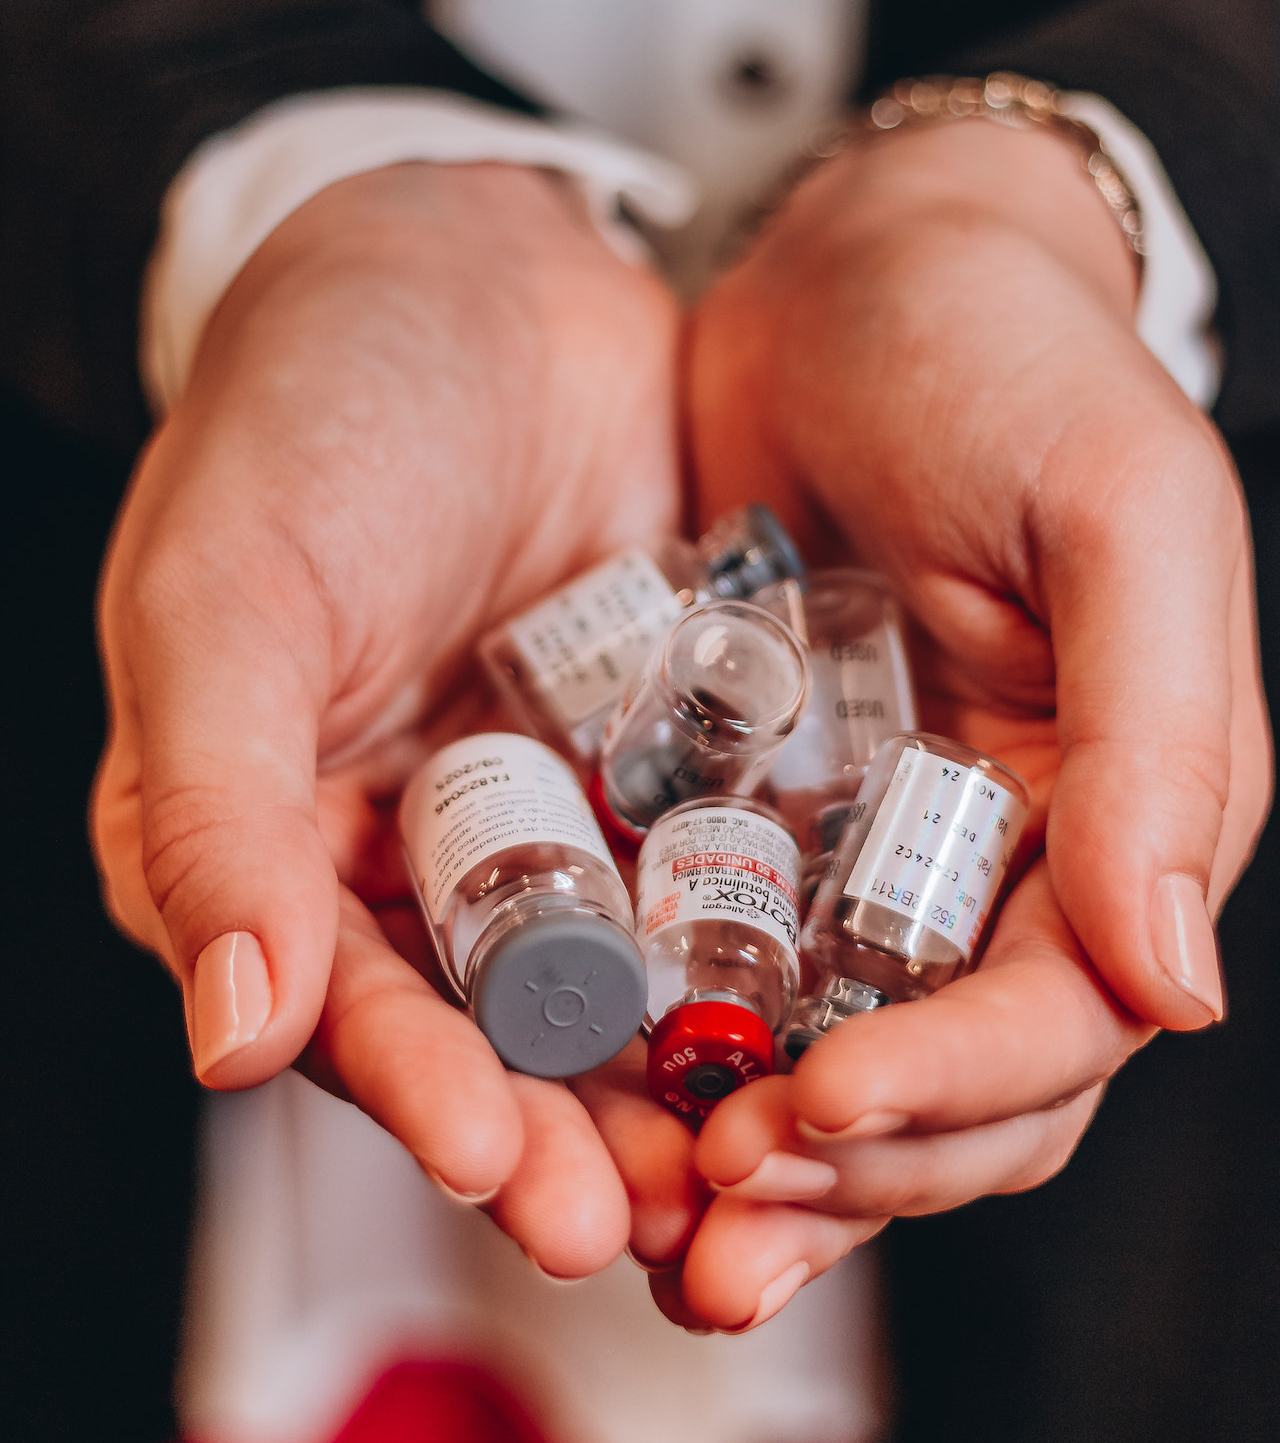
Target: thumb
(1165, 761)
(224, 749)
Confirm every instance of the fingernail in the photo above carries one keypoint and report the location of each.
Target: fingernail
(1184, 940)
(776, 1296)
(785, 1177)
(647, 1265)
(232, 998)
(550, 1277)
(877, 1123)
(471, 1199)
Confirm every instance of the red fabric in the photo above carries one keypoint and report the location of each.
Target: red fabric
(440, 1402)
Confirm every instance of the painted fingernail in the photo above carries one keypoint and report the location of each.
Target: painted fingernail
(647, 1265)
(776, 1296)
(878, 1123)
(550, 1277)
(470, 1199)
(232, 998)
(1184, 941)
(785, 1177)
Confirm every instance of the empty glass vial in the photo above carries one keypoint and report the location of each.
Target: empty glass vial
(562, 665)
(859, 694)
(522, 899)
(916, 872)
(716, 914)
(715, 701)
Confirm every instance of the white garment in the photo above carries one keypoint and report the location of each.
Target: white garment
(321, 1253)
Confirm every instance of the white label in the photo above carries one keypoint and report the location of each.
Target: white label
(939, 846)
(718, 863)
(483, 794)
(860, 694)
(584, 644)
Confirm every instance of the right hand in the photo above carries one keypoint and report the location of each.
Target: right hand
(432, 394)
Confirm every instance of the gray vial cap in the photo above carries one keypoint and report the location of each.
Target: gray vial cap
(561, 994)
(758, 555)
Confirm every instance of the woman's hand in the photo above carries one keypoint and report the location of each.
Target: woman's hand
(432, 394)
(929, 353)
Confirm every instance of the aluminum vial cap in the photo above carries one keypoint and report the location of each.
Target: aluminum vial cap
(702, 1051)
(748, 550)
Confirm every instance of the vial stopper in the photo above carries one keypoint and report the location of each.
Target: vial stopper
(561, 994)
(750, 550)
(700, 1052)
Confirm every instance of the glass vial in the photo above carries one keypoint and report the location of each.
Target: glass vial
(716, 914)
(562, 665)
(706, 717)
(916, 872)
(522, 899)
(860, 694)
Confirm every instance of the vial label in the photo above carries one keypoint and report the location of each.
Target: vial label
(859, 696)
(585, 643)
(483, 794)
(939, 846)
(720, 864)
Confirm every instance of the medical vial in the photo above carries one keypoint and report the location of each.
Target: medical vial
(524, 904)
(563, 665)
(716, 914)
(706, 717)
(916, 873)
(860, 694)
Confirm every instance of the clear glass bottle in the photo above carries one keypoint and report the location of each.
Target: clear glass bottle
(916, 873)
(706, 717)
(716, 914)
(562, 665)
(524, 904)
(860, 693)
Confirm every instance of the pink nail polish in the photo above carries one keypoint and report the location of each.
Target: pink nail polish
(776, 1296)
(880, 1122)
(468, 1199)
(785, 1177)
(232, 998)
(1184, 940)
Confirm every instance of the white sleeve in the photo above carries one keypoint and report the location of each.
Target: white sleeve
(239, 185)
(1179, 289)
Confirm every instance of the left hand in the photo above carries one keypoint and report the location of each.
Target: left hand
(930, 354)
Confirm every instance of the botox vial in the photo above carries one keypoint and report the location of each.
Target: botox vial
(860, 694)
(716, 914)
(916, 873)
(706, 717)
(522, 899)
(563, 665)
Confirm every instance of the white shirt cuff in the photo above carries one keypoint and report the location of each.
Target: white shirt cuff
(239, 185)
(1179, 290)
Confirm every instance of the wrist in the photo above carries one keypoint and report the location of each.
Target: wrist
(973, 174)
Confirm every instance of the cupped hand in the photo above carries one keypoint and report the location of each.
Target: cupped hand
(929, 354)
(430, 395)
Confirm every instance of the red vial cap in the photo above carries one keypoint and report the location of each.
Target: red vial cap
(624, 841)
(702, 1052)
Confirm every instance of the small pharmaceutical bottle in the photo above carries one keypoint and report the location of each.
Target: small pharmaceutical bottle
(916, 872)
(529, 916)
(715, 702)
(716, 914)
(562, 665)
(860, 694)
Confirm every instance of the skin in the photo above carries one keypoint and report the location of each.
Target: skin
(432, 395)
(932, 347)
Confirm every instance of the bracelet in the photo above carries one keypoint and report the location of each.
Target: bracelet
(1011, 100)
